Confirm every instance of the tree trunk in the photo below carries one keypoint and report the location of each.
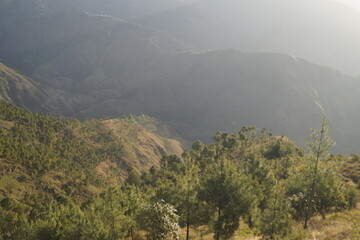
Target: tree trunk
(217, 232)
(250, 223)
(188, 212)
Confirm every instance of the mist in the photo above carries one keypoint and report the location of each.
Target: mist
(197, 66)
(179, 119)
(351, 3)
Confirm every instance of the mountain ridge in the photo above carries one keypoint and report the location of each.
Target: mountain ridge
(113, 68)
(102, 148)
(321, 31)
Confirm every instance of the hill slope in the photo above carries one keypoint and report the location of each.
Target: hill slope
(26, 92)
(40, 151)
(225, 90)
(15, 12)
(17, 89)
(72, 36)
(125, 9)
(100, 66)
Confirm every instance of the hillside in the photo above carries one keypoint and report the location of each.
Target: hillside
(28, 93)
(94, 95)
(125, 9)
(97, 66)
(227, 89)
(65, 179)
(97, 41)
(18, 89)
(19, 11)
(51, 154)
(322, 31)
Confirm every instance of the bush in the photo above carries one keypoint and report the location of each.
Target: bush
(160, 221)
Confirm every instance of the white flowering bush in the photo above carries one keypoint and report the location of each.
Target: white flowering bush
(160, 221)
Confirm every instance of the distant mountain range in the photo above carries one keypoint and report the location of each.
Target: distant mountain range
(71, 63)
(322, 31)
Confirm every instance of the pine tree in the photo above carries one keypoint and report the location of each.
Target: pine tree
(317, 155)
(276, 220)
(229, 194)
(112, 207)
(189, 183)
(91, 227)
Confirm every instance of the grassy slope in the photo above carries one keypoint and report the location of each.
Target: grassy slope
(28, 93)
(18, 89)
(336, 226)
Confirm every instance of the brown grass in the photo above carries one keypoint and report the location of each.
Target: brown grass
(337, 226)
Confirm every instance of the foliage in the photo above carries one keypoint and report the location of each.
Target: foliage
(228, 194)
(316, 188)
(51, 186)
(276, 221)
(41, 143)
(160, 221)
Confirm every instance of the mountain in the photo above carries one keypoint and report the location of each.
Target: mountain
(226, 89)
(98, 66)
(49, 38)
(84, 58)
(16, 12)
(322, 31)
(25, 92)
(125, 9)
(41, 152)
(74, 177)
(18, 89)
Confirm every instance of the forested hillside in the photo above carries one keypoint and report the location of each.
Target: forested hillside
(101, 179)
(43, 152)
(100, 99)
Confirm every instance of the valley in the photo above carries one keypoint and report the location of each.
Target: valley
(179, 119)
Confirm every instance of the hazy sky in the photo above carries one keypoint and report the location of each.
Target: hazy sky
(352, 3)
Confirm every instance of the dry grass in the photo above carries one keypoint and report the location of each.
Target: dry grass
(142, 148)
(204, 233)
(6, 124)
(336, 226)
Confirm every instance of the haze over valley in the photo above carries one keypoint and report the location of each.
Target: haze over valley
(102, 103)
(90, 65)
